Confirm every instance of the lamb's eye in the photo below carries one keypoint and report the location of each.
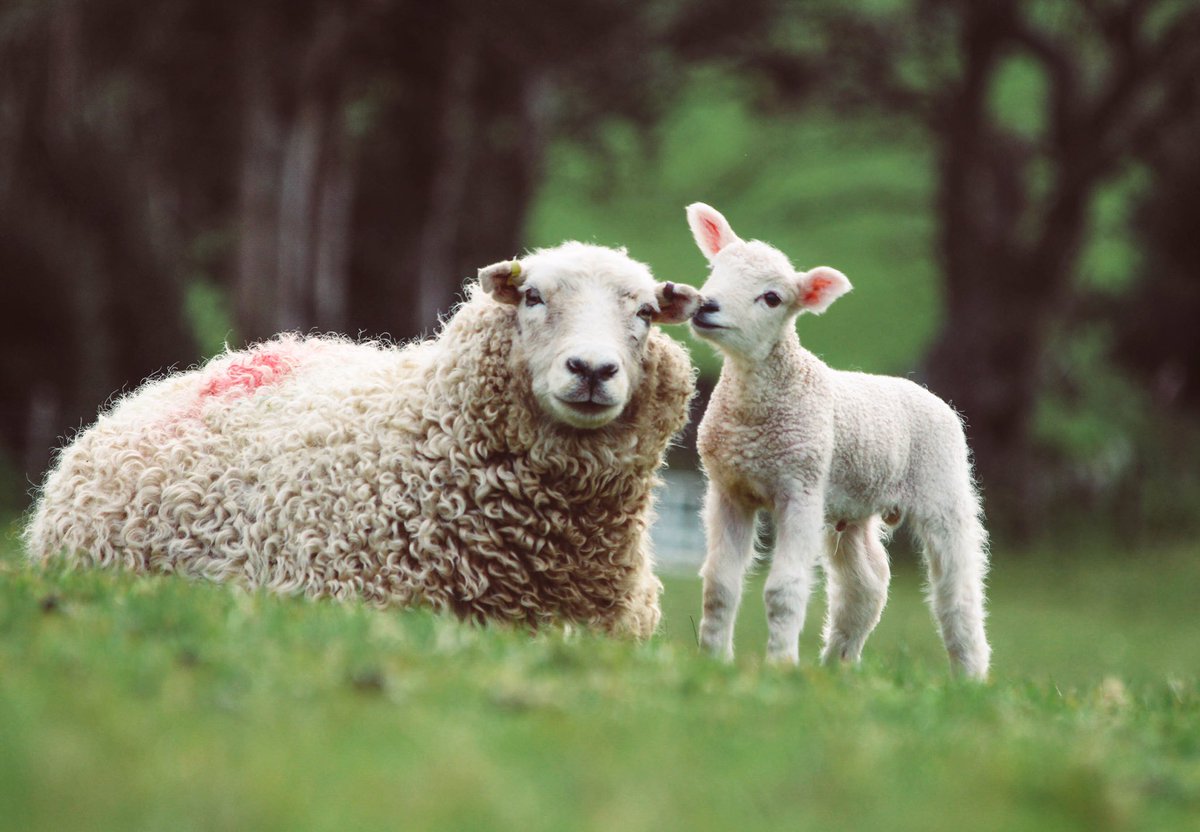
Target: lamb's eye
(646, 312)
(533, 297)
(771, 299)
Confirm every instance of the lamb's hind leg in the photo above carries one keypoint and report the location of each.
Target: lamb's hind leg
(955, 554)
(729, 528)
(857, 575)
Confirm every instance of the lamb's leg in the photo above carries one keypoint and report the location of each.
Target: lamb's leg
(856, 583)
(956, 558)
(729, 527)
(799, 540)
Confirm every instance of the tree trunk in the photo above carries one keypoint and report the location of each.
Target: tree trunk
(299, 192)
(1004, 291)
(295, 191)
(437, 281)
(255, 290)
(331, 269)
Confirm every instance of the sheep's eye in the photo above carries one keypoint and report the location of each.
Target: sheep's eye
(533, 297)
(646, 312)
(771, 299)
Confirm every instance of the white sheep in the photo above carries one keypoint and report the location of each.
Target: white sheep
(832, 455)
(500, 470)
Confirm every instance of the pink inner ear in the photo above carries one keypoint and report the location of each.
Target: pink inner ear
(812, 295)
(712, 233)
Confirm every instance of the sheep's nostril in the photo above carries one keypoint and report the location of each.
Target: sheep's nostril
(708, 307)
(590, 373)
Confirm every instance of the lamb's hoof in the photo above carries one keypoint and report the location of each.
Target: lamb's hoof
(715, 642)
(783, 658)
(836, 654)
(971, 665)
(721, 654)
(973, 673)
(718, 650)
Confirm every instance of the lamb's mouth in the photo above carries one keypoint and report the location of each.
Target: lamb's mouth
(699, 323)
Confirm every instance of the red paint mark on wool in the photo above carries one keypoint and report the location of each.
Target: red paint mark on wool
(247, 374)
(816, 289)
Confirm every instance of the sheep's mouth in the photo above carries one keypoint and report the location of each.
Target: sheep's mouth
(586, 414)
(588, 407)
(701, 323)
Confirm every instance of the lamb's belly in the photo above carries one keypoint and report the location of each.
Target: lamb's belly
(853, 501)
(842, 504)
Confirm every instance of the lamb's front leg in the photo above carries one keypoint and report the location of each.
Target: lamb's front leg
(799, 541)
(729, 528)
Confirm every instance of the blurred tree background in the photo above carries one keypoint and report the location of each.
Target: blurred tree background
(1012, 185)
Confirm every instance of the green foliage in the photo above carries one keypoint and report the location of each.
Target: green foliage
(1018, 96)
(206, 308)
(150, 703)
(1119, 460)
(848, 191)
(1110, 260)
(12, 496)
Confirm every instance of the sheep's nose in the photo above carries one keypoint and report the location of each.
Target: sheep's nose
(592, 372)
(708, 307)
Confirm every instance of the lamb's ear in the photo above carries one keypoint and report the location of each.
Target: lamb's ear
(677, 302)
(711, 230)
(820, 287)
(501, 280)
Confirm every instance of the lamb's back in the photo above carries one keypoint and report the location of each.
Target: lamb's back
(891, 436)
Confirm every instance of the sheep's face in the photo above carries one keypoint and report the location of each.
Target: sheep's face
(753, 293)
(583, 314)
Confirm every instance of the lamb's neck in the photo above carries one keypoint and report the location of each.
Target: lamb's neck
(762, 382)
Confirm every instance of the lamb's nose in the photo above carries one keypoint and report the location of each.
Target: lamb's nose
(592, 372)
(708, 307)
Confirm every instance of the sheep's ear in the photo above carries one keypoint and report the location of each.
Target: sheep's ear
(820, 287)
(501, 280)
(711, 230)
(677, 302)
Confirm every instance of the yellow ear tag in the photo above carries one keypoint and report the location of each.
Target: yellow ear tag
(515, 271)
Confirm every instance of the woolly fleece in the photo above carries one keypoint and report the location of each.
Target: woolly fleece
(418, 475)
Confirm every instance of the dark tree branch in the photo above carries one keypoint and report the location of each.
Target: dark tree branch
(1057, 58)
(1144, 67)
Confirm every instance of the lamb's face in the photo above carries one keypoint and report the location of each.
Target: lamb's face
(583, 314)
(748, 299)
(753, 293)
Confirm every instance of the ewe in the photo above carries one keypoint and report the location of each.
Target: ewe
(500, 470)
(833, 456)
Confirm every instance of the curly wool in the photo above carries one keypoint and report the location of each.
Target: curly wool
(418, 475)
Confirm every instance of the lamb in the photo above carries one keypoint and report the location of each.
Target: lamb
(836, 457)
(501, 470)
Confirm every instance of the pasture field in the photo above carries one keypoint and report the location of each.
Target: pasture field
(136, 703)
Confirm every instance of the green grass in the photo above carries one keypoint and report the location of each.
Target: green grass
(155, 703)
